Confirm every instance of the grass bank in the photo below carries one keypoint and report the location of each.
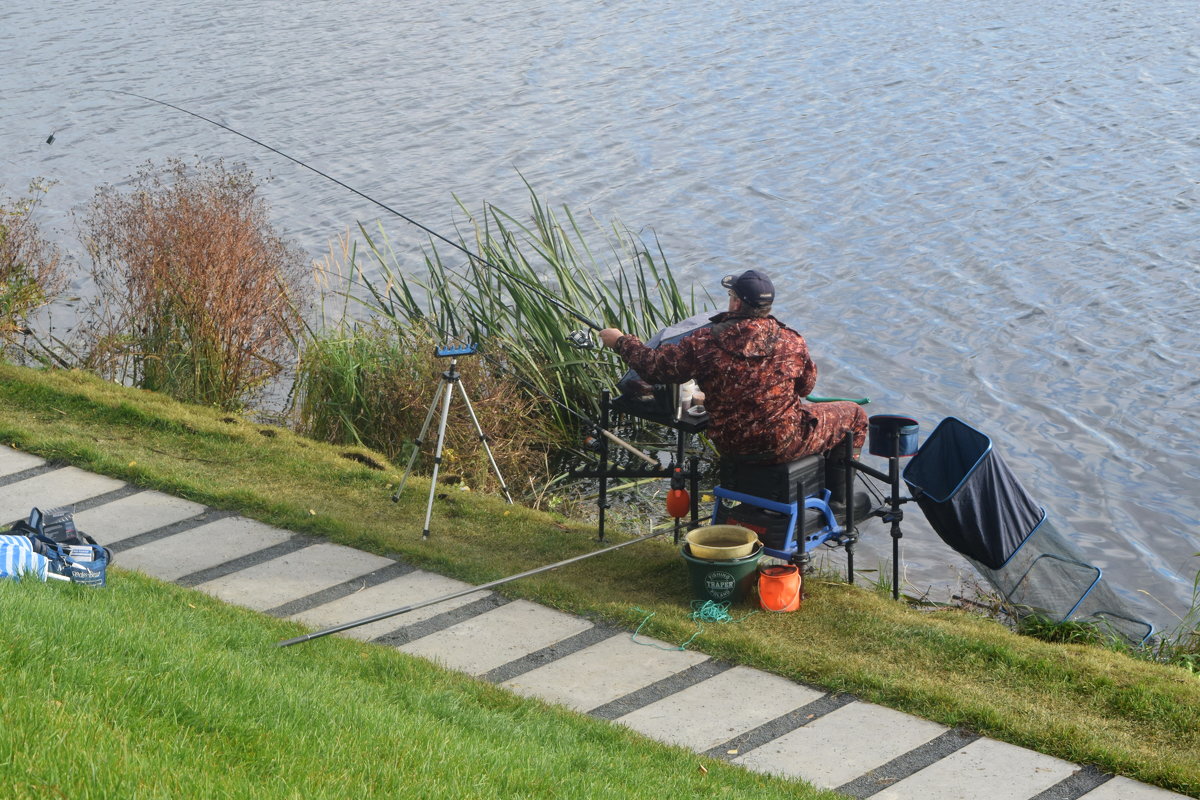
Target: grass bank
(1083, 704)
(148, 690)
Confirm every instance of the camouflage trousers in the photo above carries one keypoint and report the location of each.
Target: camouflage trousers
(833, 420)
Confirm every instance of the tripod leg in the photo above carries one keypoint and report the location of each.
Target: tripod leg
(420, 440)
(437, 460)
(484, 441)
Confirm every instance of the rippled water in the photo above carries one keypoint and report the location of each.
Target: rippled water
(986, 210)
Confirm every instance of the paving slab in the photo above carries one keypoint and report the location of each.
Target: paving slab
(414, 587)
(1124, 789)
(496, 637)
(15, 461)
(983, 769)
(54, 489)
(129, 516)
(295, 575)
(716, 710)
(201, 547)
(843, 745)
(605, 671)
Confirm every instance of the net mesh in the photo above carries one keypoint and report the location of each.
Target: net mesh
(1048, 575)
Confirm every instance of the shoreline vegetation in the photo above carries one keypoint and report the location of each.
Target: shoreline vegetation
(167, 319)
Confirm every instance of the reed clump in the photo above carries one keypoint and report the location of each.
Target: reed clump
(197, 296)
(500, 295)
(1181, 645)
(518, 296)
(30, 266)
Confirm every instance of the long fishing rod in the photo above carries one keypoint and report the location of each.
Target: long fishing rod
(575, 338)
(308, 637)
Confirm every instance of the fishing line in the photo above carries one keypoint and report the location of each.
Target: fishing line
(576, 338)
(540, 291)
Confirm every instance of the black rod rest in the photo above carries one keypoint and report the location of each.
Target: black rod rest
(890, 512)
(607, 470)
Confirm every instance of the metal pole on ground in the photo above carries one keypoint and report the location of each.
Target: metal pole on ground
(462, 593)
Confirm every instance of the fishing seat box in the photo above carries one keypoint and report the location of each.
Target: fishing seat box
(782, 483)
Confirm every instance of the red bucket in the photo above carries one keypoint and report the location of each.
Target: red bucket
(779, 587)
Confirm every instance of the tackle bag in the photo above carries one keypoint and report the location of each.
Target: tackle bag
(81, 563)
(69, 553)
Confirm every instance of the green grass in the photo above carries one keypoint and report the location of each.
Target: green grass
(145, 690)
(1080, 703)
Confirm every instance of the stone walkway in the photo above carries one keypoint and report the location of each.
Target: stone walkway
(680, 697)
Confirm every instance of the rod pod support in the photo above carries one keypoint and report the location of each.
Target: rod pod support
(445, 390)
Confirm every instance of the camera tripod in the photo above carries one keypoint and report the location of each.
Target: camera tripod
(450, 378)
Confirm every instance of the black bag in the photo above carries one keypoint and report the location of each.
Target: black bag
(53, 531)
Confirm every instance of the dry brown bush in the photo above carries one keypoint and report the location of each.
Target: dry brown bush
(30, 273)
(197, 296)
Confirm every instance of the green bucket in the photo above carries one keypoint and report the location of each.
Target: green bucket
(722, 581)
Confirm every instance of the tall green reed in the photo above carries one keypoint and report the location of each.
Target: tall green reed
(502, 309)
(1181, 645)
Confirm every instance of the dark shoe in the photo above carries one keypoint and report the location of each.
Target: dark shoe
(862, 507)
(835, 472)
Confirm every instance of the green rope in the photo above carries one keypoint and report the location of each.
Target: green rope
(702, 611)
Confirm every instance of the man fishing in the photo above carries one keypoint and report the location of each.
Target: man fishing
(755, 373)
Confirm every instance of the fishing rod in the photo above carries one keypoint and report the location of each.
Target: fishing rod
(576, 338)
(308, 637)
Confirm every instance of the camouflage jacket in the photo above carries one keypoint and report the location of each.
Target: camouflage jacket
(755, 374)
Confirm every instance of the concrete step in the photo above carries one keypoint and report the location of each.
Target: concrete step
(200, 548)
(603, 672)
(130, 516)
(269, 584)
(59, 487)
(985, 768)
(415, 587)
(13, 461)
(1124, 789)
(497, 637)
(719, 709)
(842, 745)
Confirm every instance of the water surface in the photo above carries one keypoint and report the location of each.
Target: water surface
(986, 210)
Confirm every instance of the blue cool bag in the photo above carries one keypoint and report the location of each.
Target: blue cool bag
(65, 553)
(81, 563)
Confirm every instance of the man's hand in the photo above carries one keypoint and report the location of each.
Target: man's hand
(609, 336)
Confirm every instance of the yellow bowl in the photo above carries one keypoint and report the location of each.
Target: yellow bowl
(721, 542)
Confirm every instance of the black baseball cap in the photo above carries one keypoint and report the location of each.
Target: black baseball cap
(752, 287)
